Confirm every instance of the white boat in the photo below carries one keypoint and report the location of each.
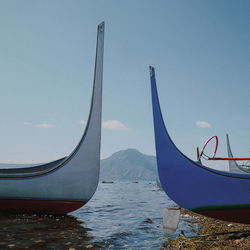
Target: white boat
(233, 165)
(66, 184)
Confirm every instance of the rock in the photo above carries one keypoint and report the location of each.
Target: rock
(11, 245)
(148, 221)
(237, 242)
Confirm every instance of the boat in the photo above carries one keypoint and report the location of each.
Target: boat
(218, 194)
(233, 165)
(64, 185)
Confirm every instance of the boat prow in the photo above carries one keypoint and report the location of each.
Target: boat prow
(233, 165)
(67, 184)
(218, 194)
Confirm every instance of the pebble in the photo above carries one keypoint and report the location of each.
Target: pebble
(11, 245)
(237, 241)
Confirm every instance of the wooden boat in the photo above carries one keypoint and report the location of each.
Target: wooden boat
(193, 186)
(66, 184)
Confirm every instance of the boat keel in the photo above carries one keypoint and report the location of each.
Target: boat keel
(232, 214)
(39, 206)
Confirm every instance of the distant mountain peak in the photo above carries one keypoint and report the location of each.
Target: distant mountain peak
(128, 164)
(129, 152)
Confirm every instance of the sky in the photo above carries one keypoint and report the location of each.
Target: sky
(200, 51)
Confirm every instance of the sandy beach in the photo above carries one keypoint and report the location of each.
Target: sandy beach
(213, 234)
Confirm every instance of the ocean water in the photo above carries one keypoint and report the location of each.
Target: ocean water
(122, 215)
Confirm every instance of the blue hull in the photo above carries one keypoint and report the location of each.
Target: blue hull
(193, 186)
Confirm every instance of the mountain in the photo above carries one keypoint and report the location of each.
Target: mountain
(128, 164)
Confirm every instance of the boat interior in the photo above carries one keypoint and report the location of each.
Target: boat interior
(30, 171)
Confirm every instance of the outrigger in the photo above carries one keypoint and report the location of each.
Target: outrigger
(233, 165)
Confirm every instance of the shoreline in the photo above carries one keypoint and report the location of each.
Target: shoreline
(213, 234)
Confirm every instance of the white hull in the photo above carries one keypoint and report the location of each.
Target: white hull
(72, 180)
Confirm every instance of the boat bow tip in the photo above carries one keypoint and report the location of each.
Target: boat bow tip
(152, 71)
(101, 26)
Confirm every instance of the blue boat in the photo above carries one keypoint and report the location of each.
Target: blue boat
(193, 186)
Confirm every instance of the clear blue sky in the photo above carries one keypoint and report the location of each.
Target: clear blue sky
(200, 49)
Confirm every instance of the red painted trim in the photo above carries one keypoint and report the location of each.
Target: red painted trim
(241, 215)
(39, 206)
(229, 158)
(207, 141)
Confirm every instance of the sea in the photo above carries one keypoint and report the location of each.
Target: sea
(121, 215)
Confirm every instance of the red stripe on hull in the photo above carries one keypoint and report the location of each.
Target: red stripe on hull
(39, 206)
(241, 215)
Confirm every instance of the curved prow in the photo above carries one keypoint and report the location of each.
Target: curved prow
(88, 149)
(157, 120)
(61, 186)
(93, 126)
(160, 130)
(233, 166)
(163, 141)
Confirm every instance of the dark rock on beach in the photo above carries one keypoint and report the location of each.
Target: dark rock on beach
(43, 232)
